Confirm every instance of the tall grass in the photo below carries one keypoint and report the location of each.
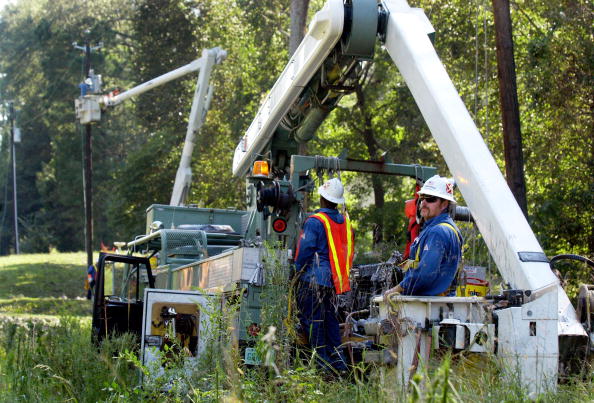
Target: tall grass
(45, 362)
(53, 360)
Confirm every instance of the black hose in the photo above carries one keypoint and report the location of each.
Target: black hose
(572, 257)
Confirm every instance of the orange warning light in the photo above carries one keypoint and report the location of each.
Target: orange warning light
(260, 168)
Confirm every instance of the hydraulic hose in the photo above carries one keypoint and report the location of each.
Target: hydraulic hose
(572, 257)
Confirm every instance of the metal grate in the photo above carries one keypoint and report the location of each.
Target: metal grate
(182, 243)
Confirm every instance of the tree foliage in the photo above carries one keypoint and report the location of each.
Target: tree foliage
(137, 145)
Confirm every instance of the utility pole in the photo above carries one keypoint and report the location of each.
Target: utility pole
(298, 14)
(14, 181)
(508, 99)
(90, 85)
(88, 173)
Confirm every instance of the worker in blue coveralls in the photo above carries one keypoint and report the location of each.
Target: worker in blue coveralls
(323, 260)
(90, 282)
(435, 254)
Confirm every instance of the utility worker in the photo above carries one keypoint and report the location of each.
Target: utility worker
(435, 254)
(323, 261)
(90, 281)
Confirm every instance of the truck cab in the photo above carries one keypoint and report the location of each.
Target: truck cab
(117, 303)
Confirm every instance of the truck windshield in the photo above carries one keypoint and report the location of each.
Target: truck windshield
(134, 281)
(114, 278)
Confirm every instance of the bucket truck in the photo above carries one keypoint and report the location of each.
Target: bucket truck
(531, 326)
(537, 320)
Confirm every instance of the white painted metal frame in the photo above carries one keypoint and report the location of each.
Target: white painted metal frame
(494, 208)
(496, 212)
(412, 314)
(528, 344)
(200, 105)
(152, 296)
(155, 82)
(324, 32)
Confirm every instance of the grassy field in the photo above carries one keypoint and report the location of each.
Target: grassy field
(46, 356)
(43, 284)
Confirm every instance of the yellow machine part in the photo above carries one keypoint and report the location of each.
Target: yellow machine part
(471, 290)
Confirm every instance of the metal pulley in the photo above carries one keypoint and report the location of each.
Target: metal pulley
(273, 197)
(360, 29)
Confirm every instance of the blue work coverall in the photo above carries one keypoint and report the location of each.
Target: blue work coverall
(315, 291)
(439, 255)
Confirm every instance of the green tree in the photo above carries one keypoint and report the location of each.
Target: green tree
(556, 61)
(138, 144)
(42, 70)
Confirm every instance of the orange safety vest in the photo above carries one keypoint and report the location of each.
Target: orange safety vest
(340, 250)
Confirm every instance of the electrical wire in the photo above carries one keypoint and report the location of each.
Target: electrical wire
(572, 257)
(4, 203)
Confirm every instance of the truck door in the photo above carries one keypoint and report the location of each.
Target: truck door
(119, 289)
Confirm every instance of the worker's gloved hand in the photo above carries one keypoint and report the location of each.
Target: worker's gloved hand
(392, 291)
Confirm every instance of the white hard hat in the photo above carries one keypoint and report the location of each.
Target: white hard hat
(440, 187)
(332, 190)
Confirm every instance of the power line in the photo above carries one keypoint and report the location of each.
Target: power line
(14, 183)
(12, 164)
(88, 153)
(5, 201)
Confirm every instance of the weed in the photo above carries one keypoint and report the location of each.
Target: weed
(56, 362)
(51, 359)
(278, 311)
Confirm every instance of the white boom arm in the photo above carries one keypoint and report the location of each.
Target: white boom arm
(113, 100)
(200, 105)
(324, 32)
(485, 191)
(516, 251)
(511, 242)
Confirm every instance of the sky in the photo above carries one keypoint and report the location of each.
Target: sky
(5, 2)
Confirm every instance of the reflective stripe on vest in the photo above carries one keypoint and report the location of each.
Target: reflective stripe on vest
(340, 250)
(415, 263)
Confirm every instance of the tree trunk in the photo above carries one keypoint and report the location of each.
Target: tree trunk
(298, 19)
(376, 182)
(297, 29)
(508, 99)
(297, 32)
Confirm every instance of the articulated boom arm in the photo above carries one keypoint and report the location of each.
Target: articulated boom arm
(404, 31)
(510, 239)
(200, 105)
(324, 31)
(324, 67)
(511, 242)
